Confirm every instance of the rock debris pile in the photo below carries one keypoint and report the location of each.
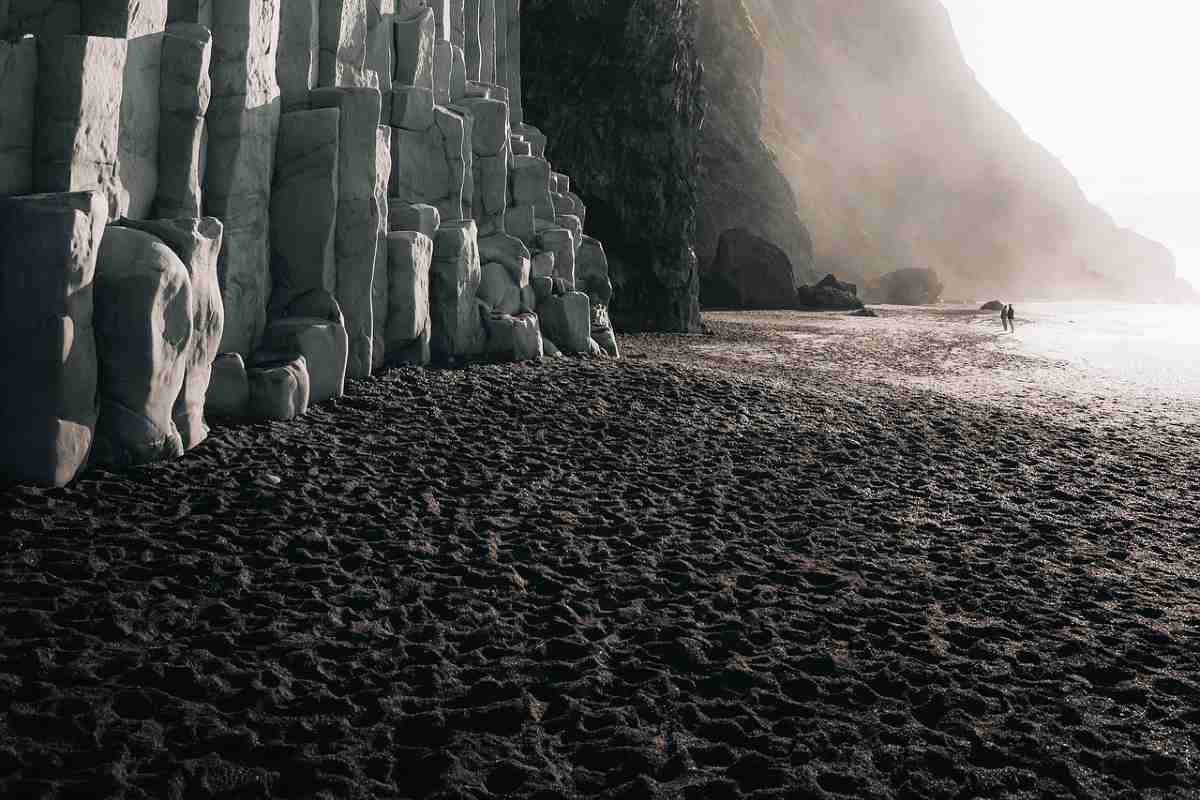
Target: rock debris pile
(232, 206)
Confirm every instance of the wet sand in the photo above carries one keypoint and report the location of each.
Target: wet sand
(809, 555)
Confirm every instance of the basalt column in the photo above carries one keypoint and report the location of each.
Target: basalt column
(243, 122)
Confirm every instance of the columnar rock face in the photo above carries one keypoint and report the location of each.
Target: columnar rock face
(297, 66)
(407, 331)
(140, 23)
(304, 199)
(343, 26)
(48, 248)
(362, 214)
(184, 95)
(284, 193)
(453, 282)
(79, 90)
(18, 92)
(143, 333)
(243, 120)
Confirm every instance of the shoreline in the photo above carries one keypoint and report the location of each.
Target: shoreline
(723, 567)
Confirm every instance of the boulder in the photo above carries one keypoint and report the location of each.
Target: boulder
(184, 94)
(343, 37)
(197, 243)
(566, 320)
(304, 198)
(48, 248)
(144, 308)
(550, 349)
(992, 305)
(18, 92)
(278, 389)
(413, 217)
(322, 343)
(228, 392)
(243, 120)
(415, 36)
(513, 337)
(829, 294)
(453, 282)
(749, 272)
(602, 331)
(407, 335)
(910, 287)
(79, 89)
(591, 272)
(362, 217)
(297, 67)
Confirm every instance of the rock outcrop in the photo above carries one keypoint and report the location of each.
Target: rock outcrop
(741, 183)
(617, 84)
(295, 192)
(829, 294)
(748, 272)
(907, 287)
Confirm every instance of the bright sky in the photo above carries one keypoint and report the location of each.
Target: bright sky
(1110, 87)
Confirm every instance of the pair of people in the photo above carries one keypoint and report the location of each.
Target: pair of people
(1008, 317)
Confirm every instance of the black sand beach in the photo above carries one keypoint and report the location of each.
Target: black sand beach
(743, 565)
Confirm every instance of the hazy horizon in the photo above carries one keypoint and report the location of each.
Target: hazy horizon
(1107, 91)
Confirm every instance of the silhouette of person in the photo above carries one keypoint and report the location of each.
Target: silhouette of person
(1004, 316)
(1012, 318)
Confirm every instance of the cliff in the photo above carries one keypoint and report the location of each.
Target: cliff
(899, 158)
(743, 186)
(616, 84)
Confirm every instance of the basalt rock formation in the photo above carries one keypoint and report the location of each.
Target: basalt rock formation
(617, 84)
(235, 206)
(900, 159)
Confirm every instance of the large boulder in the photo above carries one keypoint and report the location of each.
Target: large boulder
(279, 389)
(829, 294)
(48, 248)
(513, 337)
(453, 282)
(313, 327)
(228, 389)
(749, 272)
(567, 321)
(144, 329)
(197, 242)
(407, 337)
(907, 287)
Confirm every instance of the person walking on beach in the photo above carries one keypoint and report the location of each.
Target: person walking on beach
(1004, 316)
(1012, 318)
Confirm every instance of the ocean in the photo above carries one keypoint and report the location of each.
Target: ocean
(1156, 347)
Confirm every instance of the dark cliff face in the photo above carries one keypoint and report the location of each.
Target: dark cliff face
(899, 158)
(615, 86)
(742, 186)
